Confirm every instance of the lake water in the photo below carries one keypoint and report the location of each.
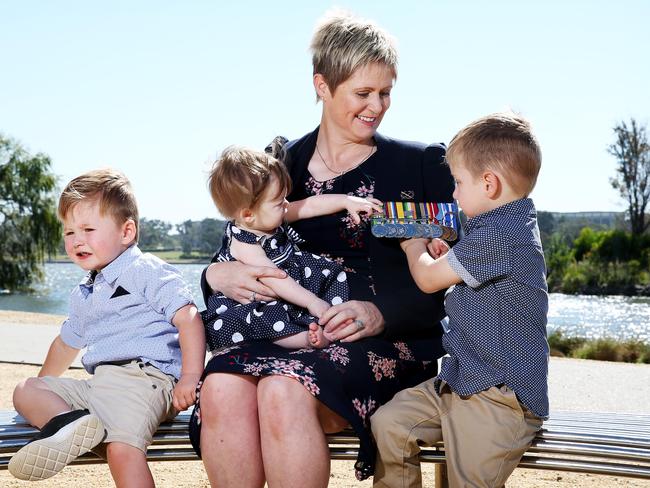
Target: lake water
(576, 315)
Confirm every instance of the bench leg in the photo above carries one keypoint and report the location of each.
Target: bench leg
(442, 481)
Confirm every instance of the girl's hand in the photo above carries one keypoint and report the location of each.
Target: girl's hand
(356, 205)
(350, 321)
(437, 248)
(239, 281)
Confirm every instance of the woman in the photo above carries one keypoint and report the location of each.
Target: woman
(251, 410)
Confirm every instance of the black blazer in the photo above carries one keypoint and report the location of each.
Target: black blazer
(403, 171)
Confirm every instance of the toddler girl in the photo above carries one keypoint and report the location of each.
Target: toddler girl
(249, 188)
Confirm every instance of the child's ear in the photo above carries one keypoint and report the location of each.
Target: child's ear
(247, 216)
(492, 184)
(129, 231)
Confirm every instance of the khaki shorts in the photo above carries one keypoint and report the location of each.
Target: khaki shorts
(130, 400)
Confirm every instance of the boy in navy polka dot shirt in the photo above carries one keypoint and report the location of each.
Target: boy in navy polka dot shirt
(491, 395)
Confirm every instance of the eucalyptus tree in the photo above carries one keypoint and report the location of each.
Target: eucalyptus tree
(632, 179)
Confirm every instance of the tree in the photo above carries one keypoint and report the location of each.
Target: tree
(188, 234)
(632, 154)
(203, 236)
(211, 231)
(154, 234)
(28, 224)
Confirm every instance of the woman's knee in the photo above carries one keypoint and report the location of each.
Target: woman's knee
(279, 395)
(225, 395)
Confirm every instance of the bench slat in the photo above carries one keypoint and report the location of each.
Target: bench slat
(585, 442)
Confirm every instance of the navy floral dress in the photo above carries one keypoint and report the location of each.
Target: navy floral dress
(353, 379)
(227, 322)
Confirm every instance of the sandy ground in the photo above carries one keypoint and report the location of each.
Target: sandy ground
(573, 384)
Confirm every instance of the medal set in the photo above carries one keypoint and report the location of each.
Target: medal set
(411, 219)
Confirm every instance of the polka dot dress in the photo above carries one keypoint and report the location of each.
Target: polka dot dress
(228, 322)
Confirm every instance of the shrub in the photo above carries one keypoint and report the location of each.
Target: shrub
(605, 349)
(560, 345)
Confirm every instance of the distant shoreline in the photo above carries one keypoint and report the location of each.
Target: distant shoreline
(167, 260)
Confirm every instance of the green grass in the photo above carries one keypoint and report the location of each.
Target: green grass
(604, 349)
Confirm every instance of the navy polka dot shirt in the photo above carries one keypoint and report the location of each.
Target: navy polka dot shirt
(497, 316)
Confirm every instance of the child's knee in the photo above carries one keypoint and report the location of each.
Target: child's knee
(384, 422)
(120, 452)
(25, 390)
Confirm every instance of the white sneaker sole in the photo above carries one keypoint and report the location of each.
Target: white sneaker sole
(43, 458)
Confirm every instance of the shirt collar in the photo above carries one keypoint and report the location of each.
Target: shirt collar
(523, 206)
(111, 272)
(115, 268)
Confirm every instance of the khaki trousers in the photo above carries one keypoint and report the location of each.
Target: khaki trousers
(485, 435)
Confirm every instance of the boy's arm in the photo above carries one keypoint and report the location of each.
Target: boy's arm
(59, 358)
(285, 288)
(318, 205)
(191, 336)
(429, 274)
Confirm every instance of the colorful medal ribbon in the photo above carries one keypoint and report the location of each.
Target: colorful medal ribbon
(410, 219)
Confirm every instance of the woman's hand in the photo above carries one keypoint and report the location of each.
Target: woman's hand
(350, 321)
(239, 281)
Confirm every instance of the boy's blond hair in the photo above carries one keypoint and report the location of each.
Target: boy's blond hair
(343, 43)
(240, 178)
(110, 187)
(502, 142)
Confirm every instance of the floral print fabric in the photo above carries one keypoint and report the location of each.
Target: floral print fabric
(352, 379)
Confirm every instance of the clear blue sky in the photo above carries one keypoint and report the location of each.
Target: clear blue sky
(158, 88)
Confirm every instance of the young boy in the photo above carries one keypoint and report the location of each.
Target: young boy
(134, 314)
(491, 395)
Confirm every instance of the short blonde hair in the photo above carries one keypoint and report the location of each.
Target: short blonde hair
(343, 43)
(502, 142)
(113, 191)
(240, 178)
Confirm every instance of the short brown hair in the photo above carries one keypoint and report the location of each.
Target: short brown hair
(240, 177)
(343, 43)
(110, 187)
(502, 142)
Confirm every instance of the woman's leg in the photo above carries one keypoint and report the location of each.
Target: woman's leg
(230, 436)
(292, 424)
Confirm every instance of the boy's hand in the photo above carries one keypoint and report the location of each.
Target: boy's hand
(437, 248)
(318, 307)
(184, 393)
(356, 205)
(416, 242)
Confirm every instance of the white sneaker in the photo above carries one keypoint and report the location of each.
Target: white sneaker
(60, 441)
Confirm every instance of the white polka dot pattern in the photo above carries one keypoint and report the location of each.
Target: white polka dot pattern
(268, 321)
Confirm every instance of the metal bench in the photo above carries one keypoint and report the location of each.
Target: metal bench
(600, 443)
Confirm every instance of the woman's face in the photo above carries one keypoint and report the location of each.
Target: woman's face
(358, 105)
